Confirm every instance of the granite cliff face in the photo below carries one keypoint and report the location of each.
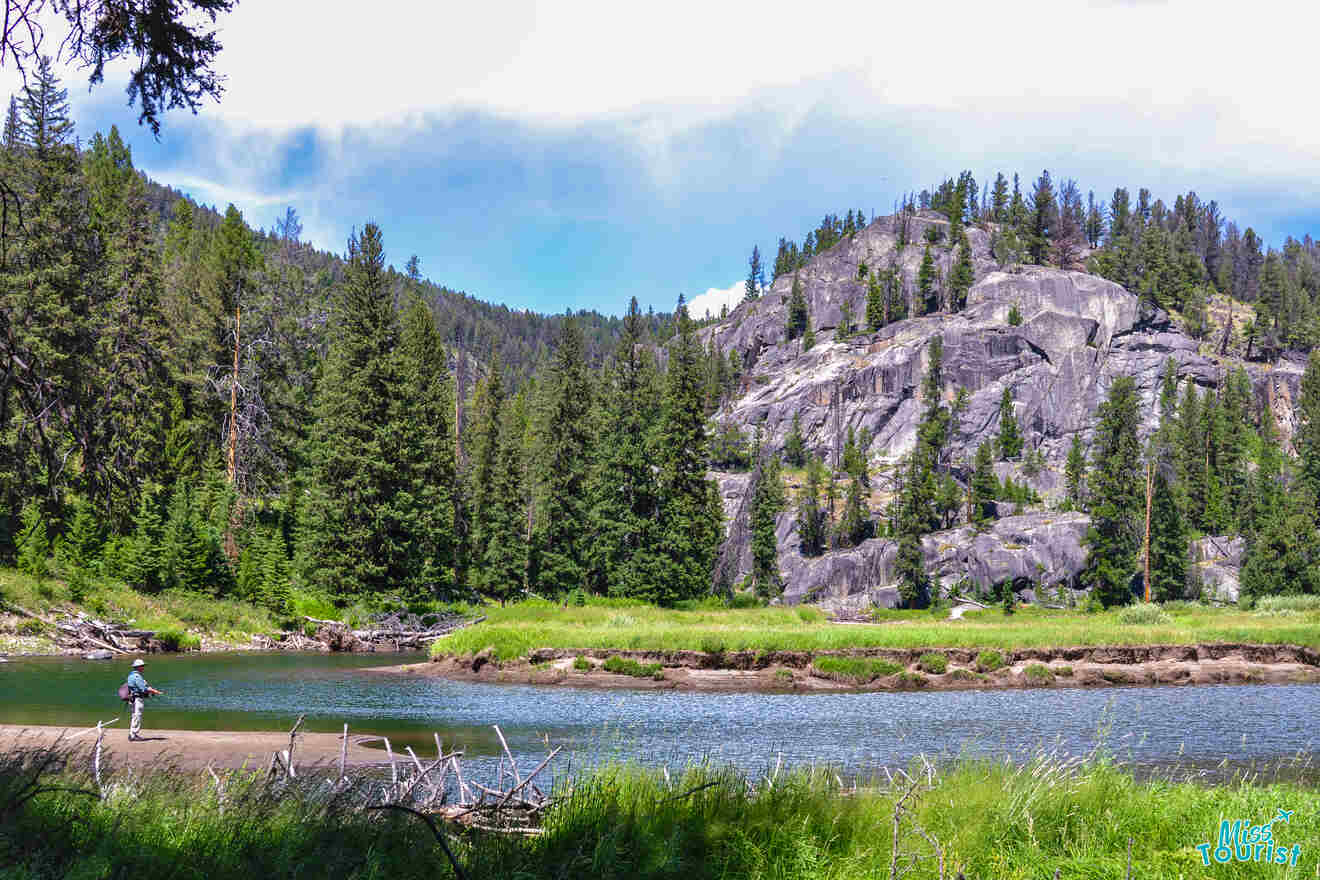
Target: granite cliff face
(1078, 332)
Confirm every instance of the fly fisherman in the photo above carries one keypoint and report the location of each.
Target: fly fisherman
(139, 691)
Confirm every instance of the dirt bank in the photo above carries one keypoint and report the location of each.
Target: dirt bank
(781, 671)
(193, 749)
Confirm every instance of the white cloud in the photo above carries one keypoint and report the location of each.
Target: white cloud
(714, 299)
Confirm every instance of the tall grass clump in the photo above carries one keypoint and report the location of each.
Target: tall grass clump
(991, 819)
(854, 670)
(1143, 614)
(1301, 603)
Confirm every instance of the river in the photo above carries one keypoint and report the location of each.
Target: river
(1151, 728)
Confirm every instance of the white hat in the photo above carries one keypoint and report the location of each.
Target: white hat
(138, 662)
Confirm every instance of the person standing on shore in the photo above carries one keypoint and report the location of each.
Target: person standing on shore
(139, 691)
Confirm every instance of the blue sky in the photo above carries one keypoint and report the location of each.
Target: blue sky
(576, 154)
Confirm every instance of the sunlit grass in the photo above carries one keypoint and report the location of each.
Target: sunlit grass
(517, 630)
(990, 819)
(171, 610)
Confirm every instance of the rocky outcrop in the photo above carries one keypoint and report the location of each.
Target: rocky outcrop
(1077, 334)
(1216, 562)
(1041, 552)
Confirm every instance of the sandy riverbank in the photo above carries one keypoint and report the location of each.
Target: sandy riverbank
(792, 671)
(193, 749)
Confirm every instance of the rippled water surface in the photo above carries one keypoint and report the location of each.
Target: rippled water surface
(1152, 727)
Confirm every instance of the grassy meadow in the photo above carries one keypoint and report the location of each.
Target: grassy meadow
(991, 821)
(516, 630)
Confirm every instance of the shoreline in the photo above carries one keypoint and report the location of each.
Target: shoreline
(793, 671)
(194, 749)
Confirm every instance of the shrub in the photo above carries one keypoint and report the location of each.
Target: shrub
(172, 639)
(1143, 614)
(1014, 316)
(913, 680)
(713, 645)
(745, 600)
(783, 675)
(629, 666)
(1039, 673)
(581, 664)
(1288, 603)
(989, 661)
(854, 670)
(1063, 671)
(934, 663)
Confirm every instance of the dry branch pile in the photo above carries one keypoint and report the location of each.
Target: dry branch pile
(393, 631)
(82, 634)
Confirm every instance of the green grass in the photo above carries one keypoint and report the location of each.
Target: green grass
(993, 821)
(854, 670)
(989, 661)
(1143, 614)
(1039, 674)
(518, 629)
(581, 664)
(172, 610)
(628, 666)
(933, 663)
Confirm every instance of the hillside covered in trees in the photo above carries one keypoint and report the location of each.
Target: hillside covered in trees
(187, 402)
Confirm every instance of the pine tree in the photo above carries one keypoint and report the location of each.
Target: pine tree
(910, 569)
(755, 276)
(855, 523)
(999, 199)
(810, 515)
(1117, 497)
(984, 486)
(875, 304)
(1191, 457)
(421, 445)
(691, 512)
(798, 317)
(1009, 440)
(1283, 551)
(350, 475)
(962, 278)
(184, 556)
(1168, 542)
(926, 283)
(1307, 436)
(561, 540)
(34, 542)
(795, 447)
(85, 536)
(143, 562)
(767, 503)
(275, 592)
(625, 494)
(1044, 219)
(1074, 474)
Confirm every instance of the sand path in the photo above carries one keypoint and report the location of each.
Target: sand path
(194, 749)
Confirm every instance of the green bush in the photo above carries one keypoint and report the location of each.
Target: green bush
(629, 666)
(989, 661)
(854, 670)
(1014, 316)
(745, 600)
(172, 639)
(713, 645)
(934, 663)
(1143, 614)
(1039, 673)
(1063, 671)
(581, 664)
(1288, 603)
